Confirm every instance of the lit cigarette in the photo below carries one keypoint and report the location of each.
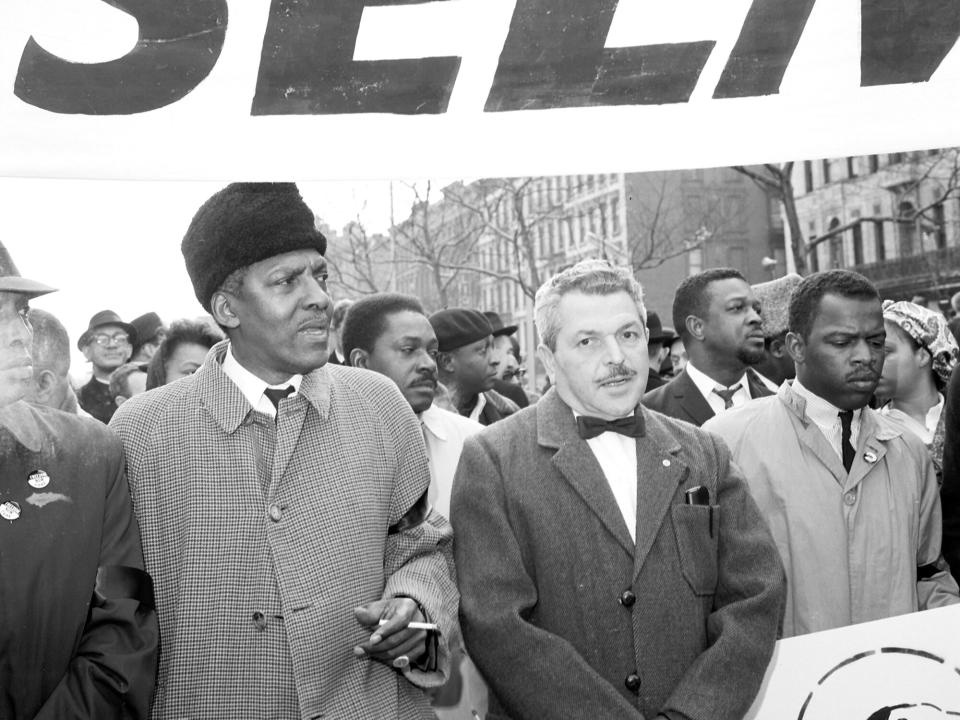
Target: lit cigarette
(429, 627)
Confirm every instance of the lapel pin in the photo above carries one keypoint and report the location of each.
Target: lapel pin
(666, 463)
(38, 479)
(10, 510)
(870, 456)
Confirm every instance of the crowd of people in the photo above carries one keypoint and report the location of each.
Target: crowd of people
(301, 508)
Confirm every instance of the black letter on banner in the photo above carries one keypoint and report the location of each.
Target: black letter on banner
(767, 41)
(179, 43)
(554, 57)
(307, 66)
(904, 41)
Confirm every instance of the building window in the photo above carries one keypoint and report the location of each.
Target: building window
(615, 213)
(814, 256)
(851, 167)
(807, 176)
(874, 163)
(857, 233)
(940, 229)
(879, 241)
(836, 246)
(907, 228)
(603, 220)
(895, 158)
(695, 261)
(826, 171)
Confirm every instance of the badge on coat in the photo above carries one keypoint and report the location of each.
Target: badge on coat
(38, 479)
(870, 456)
(10, 510)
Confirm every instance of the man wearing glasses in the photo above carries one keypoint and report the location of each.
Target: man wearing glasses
(107, 343)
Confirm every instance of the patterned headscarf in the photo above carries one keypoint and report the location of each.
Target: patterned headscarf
(930, 330)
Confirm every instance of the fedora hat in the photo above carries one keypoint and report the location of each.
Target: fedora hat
(656, 330)
(497, 324)
(11, 280)
(102, 319)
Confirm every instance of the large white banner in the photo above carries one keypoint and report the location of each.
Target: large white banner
(904, 668)
(388, 88)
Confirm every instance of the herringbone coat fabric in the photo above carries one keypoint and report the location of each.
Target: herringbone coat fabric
(258, 569)
(559, 606)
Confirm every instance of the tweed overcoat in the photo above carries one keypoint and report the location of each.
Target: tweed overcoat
(257, 581)
(559, 606)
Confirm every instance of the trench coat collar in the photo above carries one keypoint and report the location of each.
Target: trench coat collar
(227, 404)
(875, 432)
(659, 472)
(20, 419)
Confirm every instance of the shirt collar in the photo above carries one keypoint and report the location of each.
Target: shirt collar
(705, 384)
(250, 385)
(821, 411)
(432, 419)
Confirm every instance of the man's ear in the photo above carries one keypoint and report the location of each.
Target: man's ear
(446, 362)
(796, 347)
(221, 308)
(549, 361)
(694, 326)
(359, 358)
(45, 383)
(778, 347)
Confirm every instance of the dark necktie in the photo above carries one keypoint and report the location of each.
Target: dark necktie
(591, 427)
(727, 394)
(275, 395)
(846, 418)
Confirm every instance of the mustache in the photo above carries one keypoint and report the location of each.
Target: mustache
(619, 372)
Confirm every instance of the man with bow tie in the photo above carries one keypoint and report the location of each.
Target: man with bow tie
(611, 561)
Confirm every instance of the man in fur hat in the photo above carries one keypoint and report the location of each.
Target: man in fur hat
(284, 502)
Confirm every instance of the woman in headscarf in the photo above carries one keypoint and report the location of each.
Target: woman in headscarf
(920, 357)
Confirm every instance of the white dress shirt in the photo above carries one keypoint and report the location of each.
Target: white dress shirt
(478, 408)
(252, 387)
(617, 456)
(705, 384)
(444, 432)
(826, 416)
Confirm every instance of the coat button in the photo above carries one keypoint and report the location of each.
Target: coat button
(850, 498)
(632, 682)
(275, 512)
(627, 598)
(259, 620)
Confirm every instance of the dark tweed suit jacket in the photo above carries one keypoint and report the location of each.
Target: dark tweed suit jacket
(681, 399)
(559, 606)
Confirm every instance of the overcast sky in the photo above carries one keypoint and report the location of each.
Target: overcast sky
(116, 244)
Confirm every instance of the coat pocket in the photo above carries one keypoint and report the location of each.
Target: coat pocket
(696, 530)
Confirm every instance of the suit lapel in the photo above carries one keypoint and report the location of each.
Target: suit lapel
(690, 399)
(659, 472)
(577, 465)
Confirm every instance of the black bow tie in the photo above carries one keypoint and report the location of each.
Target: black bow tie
(591, 427)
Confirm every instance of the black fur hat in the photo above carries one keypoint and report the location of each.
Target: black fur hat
(243, 224)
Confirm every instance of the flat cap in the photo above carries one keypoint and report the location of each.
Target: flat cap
(774, 297)
(456, 327)
(241, 225)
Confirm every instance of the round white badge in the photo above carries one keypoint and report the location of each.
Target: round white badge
(10, 510)
(38, 479)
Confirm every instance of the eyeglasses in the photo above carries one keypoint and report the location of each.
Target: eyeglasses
(103, 339)
(510, 375)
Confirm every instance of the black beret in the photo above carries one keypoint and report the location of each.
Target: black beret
(241, 225)
(456, 327)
